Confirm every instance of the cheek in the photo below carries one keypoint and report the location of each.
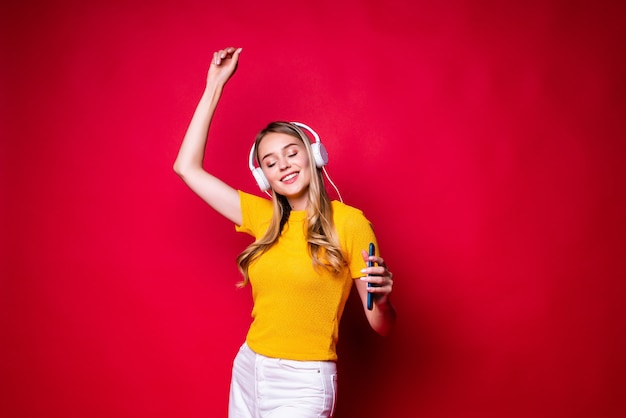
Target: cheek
(304, 162)
(268, 172)
(306, 169)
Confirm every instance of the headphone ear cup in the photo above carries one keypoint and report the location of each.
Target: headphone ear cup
(260, 178)
(319, 154)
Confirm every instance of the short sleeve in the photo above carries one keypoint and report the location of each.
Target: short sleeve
(355, 234)
(256, 213)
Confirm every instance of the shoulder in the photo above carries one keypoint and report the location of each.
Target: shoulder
(254, 208)
(355, 232)
(249, 200)
(348, 217)
(256, 213)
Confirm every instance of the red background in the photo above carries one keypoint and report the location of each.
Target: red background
(485, 140)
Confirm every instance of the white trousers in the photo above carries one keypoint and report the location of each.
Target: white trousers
(264, 387)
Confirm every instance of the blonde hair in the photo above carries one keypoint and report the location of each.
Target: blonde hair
(321, 235)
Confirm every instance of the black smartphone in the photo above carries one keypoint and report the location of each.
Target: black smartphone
(370, 296)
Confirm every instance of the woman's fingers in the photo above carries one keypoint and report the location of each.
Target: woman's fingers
(222, 54)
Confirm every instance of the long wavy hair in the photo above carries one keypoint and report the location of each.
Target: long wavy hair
(321, 235)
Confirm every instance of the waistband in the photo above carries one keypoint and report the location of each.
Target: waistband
(323, 366)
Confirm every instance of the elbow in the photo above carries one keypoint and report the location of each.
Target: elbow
(384, 330)
(179, 169)
(186, 171)
(385, 321)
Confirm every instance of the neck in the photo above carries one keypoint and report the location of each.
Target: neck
(298, 203)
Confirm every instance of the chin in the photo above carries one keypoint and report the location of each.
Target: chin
(291, 192)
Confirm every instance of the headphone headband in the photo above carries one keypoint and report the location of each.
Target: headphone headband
(302, 125)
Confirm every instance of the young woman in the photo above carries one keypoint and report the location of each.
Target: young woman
(308, 251)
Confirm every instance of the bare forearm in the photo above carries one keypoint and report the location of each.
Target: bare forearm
(191, 153)
(383, 318)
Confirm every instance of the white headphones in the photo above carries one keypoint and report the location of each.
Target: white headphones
(320, 155)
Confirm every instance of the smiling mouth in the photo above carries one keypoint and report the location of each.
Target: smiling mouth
(289, 177)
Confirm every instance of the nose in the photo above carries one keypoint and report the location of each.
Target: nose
(283, 163)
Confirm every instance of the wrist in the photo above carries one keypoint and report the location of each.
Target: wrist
(213, 88)
(211, 95)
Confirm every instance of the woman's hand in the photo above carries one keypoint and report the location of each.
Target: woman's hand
(380, 277)
(223, 65)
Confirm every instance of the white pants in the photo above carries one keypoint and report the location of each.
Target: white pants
(264, 387)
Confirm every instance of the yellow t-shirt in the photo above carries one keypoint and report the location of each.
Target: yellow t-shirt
(297, 309)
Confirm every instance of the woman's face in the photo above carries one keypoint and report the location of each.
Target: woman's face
(284, 160)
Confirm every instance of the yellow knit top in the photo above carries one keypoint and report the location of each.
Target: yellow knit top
(297, 308)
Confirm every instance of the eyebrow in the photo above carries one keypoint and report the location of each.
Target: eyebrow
(286, 146)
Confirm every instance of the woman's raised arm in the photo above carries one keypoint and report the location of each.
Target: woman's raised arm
(188, 165)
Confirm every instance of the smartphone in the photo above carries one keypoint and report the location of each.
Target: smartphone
(370, 296)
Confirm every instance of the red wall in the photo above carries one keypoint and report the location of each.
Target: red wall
(486, 143)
